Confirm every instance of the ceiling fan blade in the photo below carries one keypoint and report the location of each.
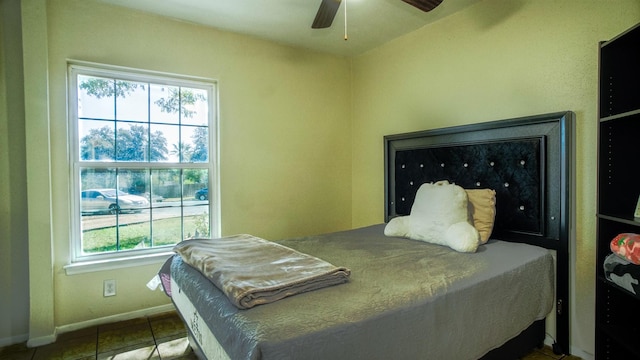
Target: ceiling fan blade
(424, 5)
(326, 13)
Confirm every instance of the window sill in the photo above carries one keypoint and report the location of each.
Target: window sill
(117, 263)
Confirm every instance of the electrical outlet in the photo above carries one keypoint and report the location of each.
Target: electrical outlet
(109, 288)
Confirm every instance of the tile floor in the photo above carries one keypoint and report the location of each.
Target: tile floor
(160, 336)
(156, 337)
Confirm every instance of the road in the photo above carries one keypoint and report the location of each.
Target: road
(159, 211)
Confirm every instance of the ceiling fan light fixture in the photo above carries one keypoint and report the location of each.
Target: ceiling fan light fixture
(424, 5)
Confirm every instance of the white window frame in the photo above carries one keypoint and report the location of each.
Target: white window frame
(80, 262)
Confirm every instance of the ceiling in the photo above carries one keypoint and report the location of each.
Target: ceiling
(370, 23)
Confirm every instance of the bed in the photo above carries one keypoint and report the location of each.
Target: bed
(412, 299)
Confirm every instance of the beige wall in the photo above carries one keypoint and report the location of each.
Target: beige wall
(497, 59)
(284, 141)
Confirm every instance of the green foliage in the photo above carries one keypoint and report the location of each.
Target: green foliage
(100, 88)
(178, 101)
(135, 143)
(99, 144)
(195, 176)
(200, 151)
(128, 145)
(182, 151)
(201, 223)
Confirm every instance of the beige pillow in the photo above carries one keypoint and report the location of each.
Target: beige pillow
(482, 208)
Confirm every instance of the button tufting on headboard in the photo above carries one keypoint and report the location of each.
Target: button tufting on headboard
(515, 183)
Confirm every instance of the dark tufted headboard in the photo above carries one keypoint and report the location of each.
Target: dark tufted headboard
(514, 168)
(527, 161)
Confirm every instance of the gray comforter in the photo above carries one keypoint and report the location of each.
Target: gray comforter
(405, 300)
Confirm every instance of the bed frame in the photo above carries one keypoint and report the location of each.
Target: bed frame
(528, 161)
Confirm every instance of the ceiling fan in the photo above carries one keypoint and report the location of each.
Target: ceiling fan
(329, 8)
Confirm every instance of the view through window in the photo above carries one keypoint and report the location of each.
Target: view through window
(142, 160)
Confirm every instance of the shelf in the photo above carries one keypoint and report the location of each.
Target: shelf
(619, 74)
(617, 321)
(614, 286)
(619, 116)
(617, 186)
(627, 343)
(617, 318)
(629, 220)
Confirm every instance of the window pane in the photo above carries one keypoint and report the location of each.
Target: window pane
(96, 97)
(196, 222)
(97, 140)
(99, 234)
(132, 142)
(98, 209)
(92, 178)
(133, 233)
(154, 193)
(135, 182)
(167, 225)
(167, 212)
(196, 183)
(132, 101)
(166, 184)
(195, 141)
(158, 148)
(164, 104)
(164, 146)
(194, 109)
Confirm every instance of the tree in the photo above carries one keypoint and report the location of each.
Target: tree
(195, 176)
(100, 87)
(182, 151)
(131, 144)
(98, 144)
(158, 147)
(179, 99)
(200, 151)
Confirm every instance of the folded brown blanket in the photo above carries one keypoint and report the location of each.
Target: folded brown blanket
(252, 271)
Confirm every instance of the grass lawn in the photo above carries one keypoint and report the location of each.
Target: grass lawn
(166, 231)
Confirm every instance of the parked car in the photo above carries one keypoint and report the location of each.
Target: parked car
(202, 194)
(111, 201)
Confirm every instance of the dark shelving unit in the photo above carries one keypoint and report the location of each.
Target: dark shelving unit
(617, 315)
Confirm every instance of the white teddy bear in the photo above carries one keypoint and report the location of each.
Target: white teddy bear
(439, 215)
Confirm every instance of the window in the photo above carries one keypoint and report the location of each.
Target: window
(142, 160)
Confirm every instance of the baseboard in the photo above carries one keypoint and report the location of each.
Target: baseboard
(48, 339)
(574, 350)
(115, 318)
(42, 340)
(581, 354)
(13, 340)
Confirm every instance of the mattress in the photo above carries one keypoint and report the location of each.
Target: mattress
(405, 299)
